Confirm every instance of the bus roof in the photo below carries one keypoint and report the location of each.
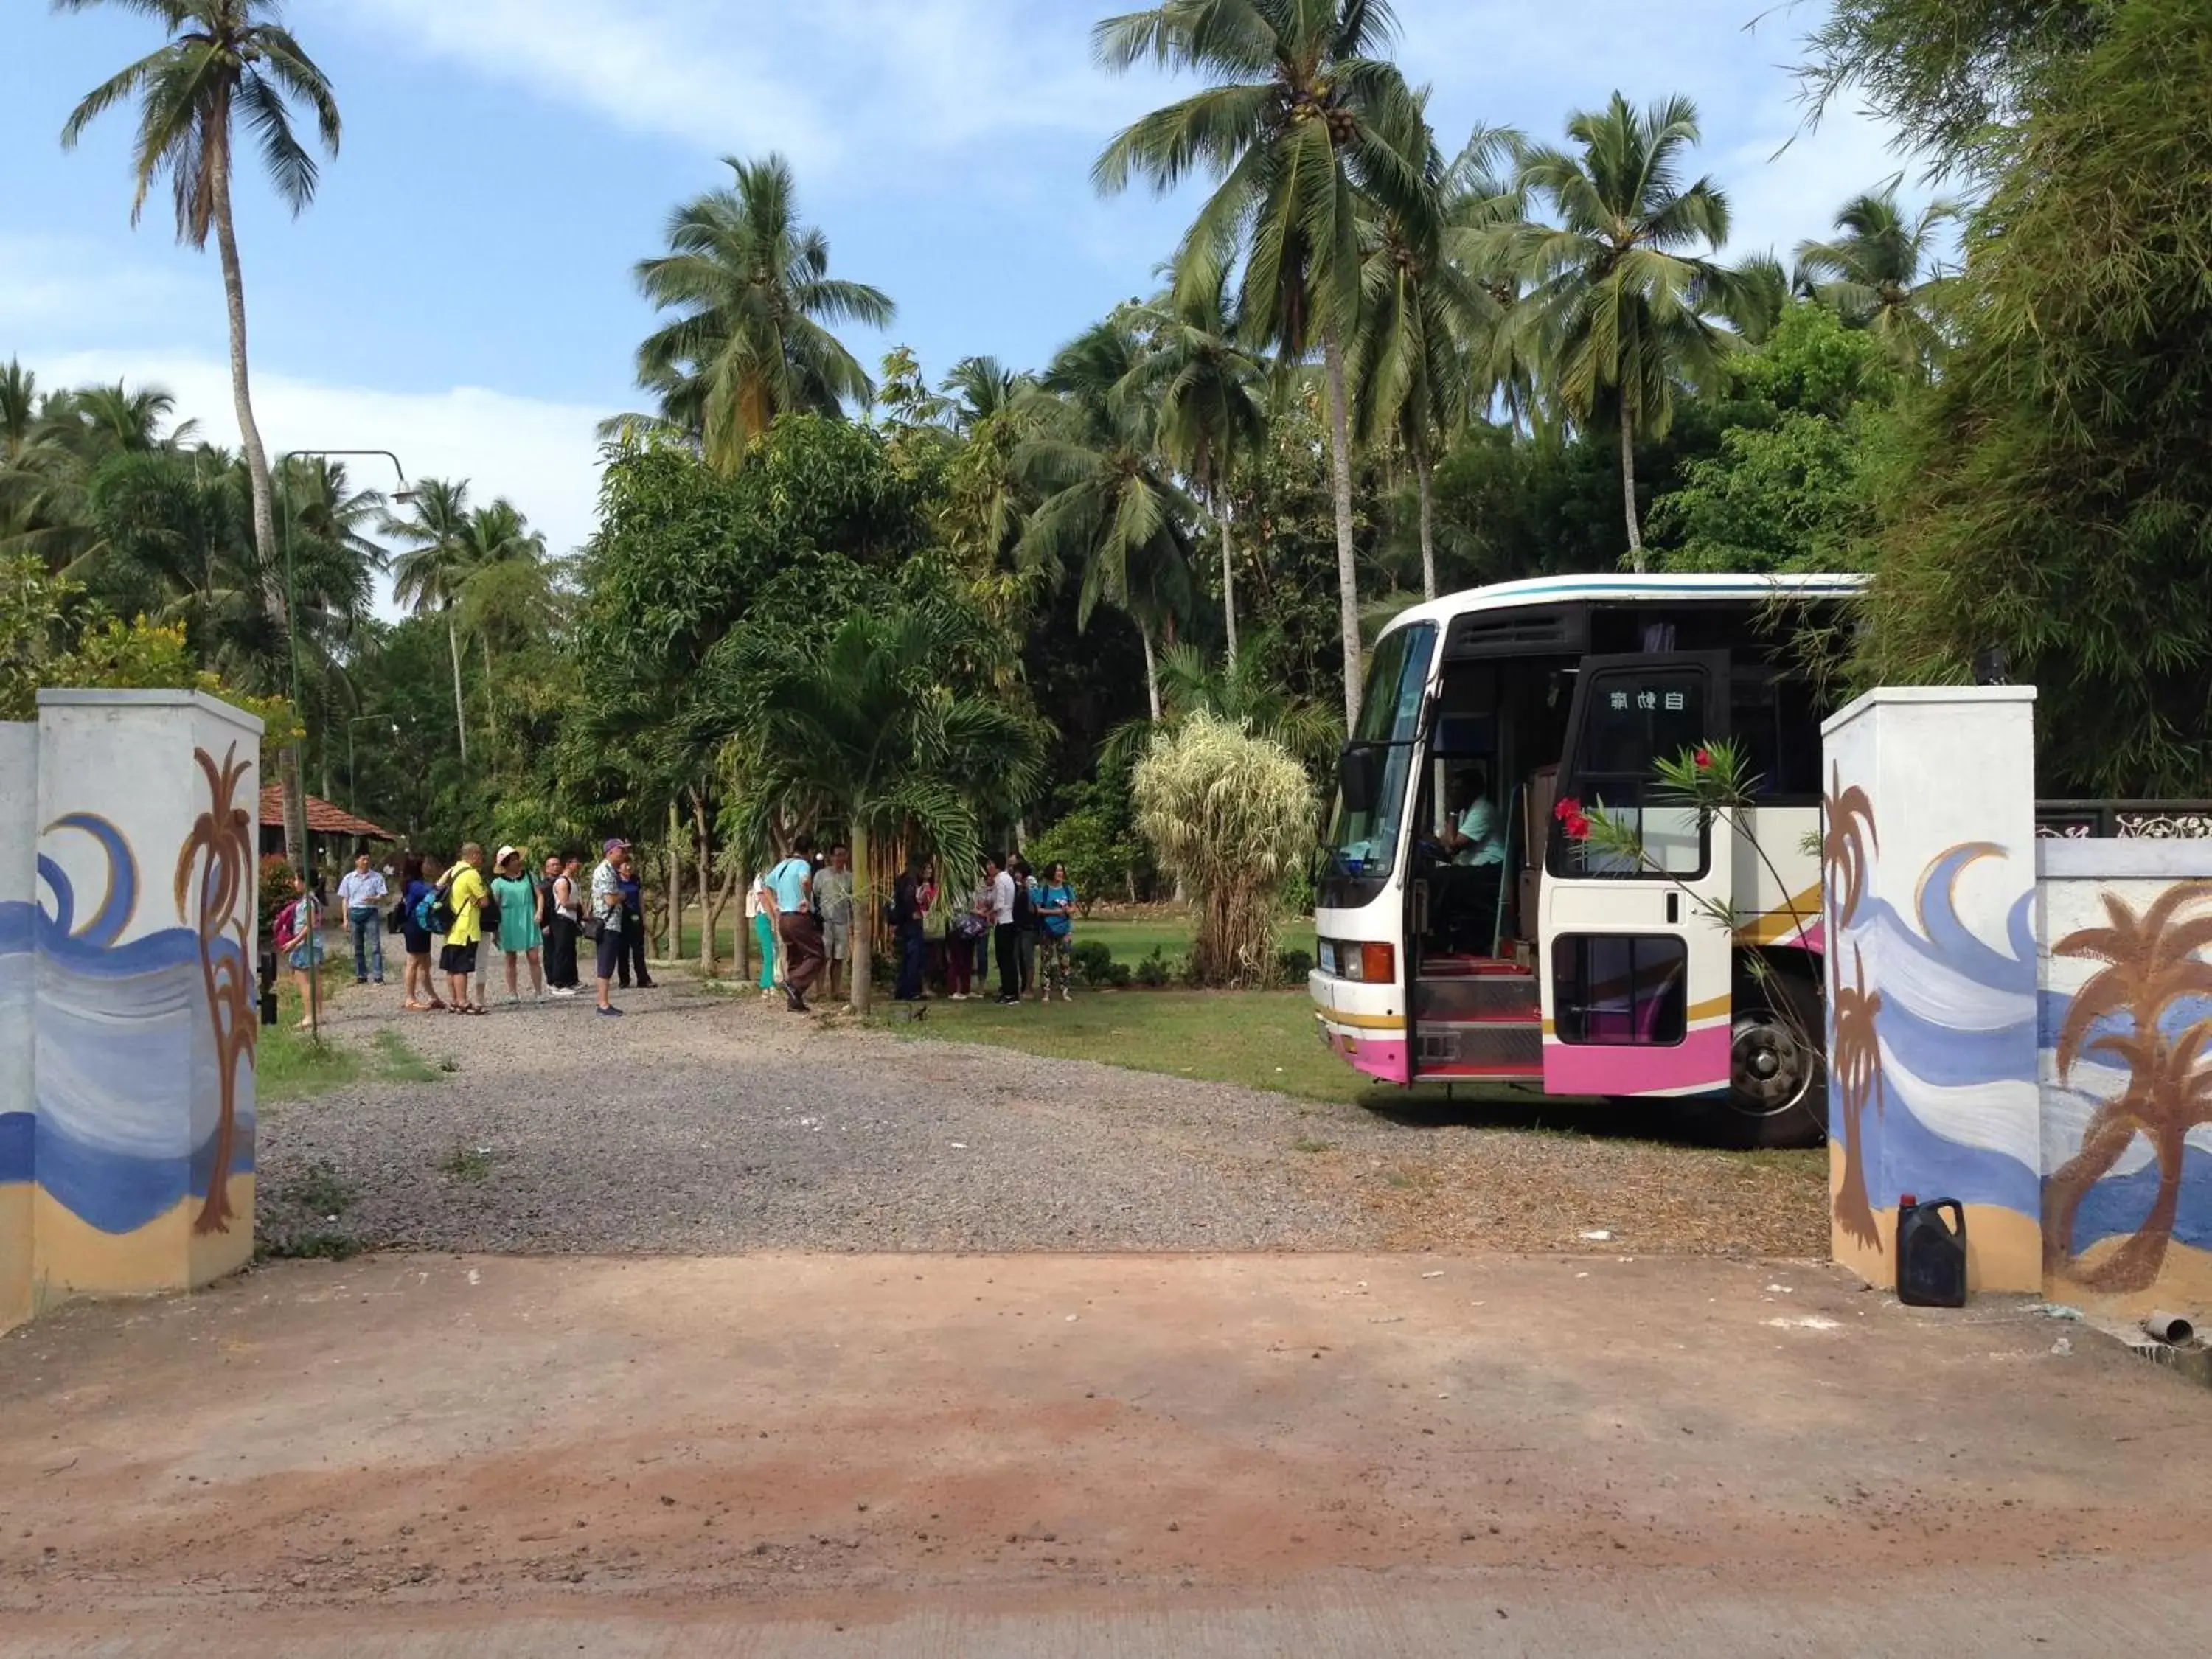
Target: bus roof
(1554, 590)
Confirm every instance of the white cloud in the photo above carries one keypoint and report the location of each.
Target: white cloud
(542, 454)
(52, 283)
(837, 85)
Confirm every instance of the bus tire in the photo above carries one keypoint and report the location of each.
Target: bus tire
(1778, 1072)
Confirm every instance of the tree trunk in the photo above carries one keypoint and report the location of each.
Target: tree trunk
(675, 884)
(460, 709)
(274, 598)
(491, 714)
(1151, 672)
(1347, 572)
(1424, 473)
(702, 847)
(1628, 483)
(1228, 578)
(860, 968)
(715, 916)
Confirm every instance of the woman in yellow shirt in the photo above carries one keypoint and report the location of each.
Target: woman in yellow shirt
(468, 895)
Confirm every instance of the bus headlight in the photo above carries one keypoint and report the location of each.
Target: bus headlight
(1365, 962)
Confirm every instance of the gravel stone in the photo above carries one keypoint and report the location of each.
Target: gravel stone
(711, 1124)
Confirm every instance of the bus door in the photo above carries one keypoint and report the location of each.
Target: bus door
(1635, 971)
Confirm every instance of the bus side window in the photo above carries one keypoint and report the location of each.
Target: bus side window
(1774, 719)
(1635, 718)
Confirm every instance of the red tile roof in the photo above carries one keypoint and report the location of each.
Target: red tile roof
(323, 818)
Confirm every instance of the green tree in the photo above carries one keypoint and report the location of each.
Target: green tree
(1109, 507)
(1296, 132)
(756, 304)
(430, 574)
(1882, 274)
(1210, 411)
(874, 730)
(1624, 311)
(224, 59)
(2055, 492)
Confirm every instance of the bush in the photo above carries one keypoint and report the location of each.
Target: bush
(1094, 965)
(1292, 965)
(1232, 815)
(1154, 971)
(276, 887)
(1095, 844)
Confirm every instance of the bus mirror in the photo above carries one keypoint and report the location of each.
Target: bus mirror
(1355, 770)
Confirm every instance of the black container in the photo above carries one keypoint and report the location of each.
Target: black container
(1931, 1253)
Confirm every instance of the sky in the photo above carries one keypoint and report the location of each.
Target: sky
(460, 292)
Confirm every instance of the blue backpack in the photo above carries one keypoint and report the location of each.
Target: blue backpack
(433, 912)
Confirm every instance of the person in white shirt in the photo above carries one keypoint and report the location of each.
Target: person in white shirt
(1474, 837)
(998, 882)
(360, 890)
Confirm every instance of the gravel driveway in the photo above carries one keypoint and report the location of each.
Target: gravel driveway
(705, 1124)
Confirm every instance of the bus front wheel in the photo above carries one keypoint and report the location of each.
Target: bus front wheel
(1778, 1074)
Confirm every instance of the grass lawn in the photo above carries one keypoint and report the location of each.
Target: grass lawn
(290, 1066)
(1262, 1039)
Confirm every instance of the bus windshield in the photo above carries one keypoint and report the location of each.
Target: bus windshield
(1363, 841)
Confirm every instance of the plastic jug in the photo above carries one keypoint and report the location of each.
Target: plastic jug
(1931, 1253)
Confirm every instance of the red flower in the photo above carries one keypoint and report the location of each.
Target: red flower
(1568, 807)
(1578, 828)
(1704, 759)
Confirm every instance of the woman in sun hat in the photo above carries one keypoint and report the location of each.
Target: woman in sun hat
(514, 890)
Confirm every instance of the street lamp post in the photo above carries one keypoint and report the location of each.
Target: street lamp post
(296, 798)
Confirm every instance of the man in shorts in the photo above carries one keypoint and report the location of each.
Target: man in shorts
(467, 895)
(606, 904)
(833, 905)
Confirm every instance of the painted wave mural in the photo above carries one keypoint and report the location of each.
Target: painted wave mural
(121, 1134)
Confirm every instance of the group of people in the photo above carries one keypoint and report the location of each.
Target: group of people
(533, 914)
(1024, 918)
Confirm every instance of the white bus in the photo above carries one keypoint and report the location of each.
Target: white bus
(1465, 937)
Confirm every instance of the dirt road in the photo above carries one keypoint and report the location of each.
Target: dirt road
(1123, 1455)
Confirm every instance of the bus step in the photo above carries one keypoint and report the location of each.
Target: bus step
(1515, 1048)
(1509, 997)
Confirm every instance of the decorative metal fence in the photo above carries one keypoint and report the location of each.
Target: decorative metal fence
(2124, 820)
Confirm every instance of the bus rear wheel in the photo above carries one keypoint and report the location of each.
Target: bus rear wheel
(1778, 1074)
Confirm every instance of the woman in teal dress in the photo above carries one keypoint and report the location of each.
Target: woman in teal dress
(514, 890)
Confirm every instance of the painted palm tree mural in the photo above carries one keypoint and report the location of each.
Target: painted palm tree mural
(1854, 1048)
(214, 895)
(2131, 1014)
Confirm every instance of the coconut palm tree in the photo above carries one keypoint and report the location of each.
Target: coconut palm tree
(980, 387)
(429, 574)
(756, 301)
(1427, 326)
(1108, 505)
(1294, 131)
(1624, 304)
(1211, 409)
(867, 730)
(1883, 274)
(224, 58)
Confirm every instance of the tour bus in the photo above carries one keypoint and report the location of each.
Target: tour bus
(1466, 937)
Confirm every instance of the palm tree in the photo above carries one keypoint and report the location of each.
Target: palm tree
(867, 730)
(501, 561)
(430, 574)
(1426, 324)
(1882, 274)
(1209, 408)
(980, 387)
(1246, 690)
(755, 299)
(1622, 306)
(223, 58)
(1294, 132)
(1106, 502)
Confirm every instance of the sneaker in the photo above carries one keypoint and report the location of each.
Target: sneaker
(561, 991)
(363, 982)
(794, 1001)
(1067, 995)
(959, 996)
(615, 1012)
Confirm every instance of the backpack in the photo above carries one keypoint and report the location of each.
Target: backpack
(287, 923)
(433, 912)
(490, 913)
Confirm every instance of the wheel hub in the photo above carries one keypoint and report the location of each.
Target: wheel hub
(1769, 1069)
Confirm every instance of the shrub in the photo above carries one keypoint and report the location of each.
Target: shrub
(276, 887)
(1292, 965)
(1232, 815)
(1094, 965)
(1154, 972)
(1095, 844)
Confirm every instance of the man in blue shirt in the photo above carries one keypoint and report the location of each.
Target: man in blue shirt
(787, 886)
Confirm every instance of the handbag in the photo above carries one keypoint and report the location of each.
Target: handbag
(593, 925)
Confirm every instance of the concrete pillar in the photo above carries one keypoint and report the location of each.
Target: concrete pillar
(1929, 899)
(144, 1014)
(19, 903)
